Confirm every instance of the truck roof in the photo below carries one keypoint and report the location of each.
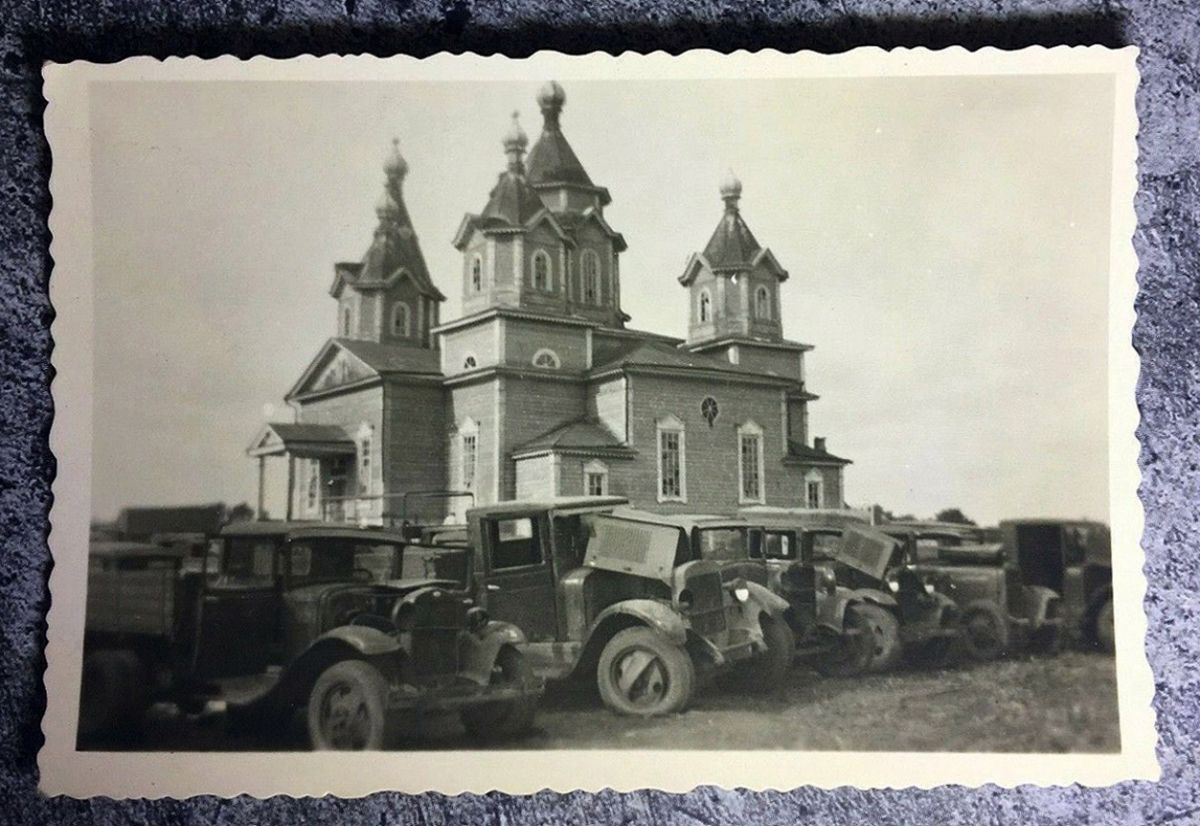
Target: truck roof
(686, 521)
(309, 529)
(929, 525)
(128, 550)
(520, 506)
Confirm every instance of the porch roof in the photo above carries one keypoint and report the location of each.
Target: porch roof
(305, 441)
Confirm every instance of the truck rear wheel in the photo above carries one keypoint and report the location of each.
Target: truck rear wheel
(985, 631)
(112, 692)
(855, 646)
(885, 635)
(769, 670)
(1105, 635)
(504, 718)
(347, 708)
(643, 674)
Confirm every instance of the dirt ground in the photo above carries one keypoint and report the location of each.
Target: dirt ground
(1062, 704)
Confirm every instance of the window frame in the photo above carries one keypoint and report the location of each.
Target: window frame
(670, 425)
(751, 430)
(468, 432)
(541, 257)
(364, 444)
(595, 468)
(811, 478)
(762, 303)
(591, 279)
(476, 273)
(397, 306)
(546, 352)
(312, 487)
(704, 310)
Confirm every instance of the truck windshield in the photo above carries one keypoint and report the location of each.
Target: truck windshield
(824, 544)
(340, 560)
(249, 562)
(723, 544)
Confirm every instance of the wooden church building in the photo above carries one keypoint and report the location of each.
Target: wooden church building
(540, 388)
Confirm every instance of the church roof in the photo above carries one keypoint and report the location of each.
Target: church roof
(393, 358)
(798, 451)
(732, 245)
(394, 247)
(553, 161)
(581, 434)
(512, 202)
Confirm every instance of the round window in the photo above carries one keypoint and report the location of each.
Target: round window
(709, 410)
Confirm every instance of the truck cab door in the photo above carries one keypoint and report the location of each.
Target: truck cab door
(238, 612)
(518, 580)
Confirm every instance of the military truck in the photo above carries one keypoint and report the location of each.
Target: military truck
(619, 599)
(1007, 591)
(351, 626)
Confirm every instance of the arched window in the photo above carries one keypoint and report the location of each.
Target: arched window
(814, 489)
(762, 303)
(476, 273)
(468, 453)
(590, 263)
(546, 358)
(469, 363)
(705, 307)
(345, 322)
(595, 478)
(400, 319)
(541, 272)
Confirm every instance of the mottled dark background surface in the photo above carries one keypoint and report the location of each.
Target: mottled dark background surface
(1168, 33)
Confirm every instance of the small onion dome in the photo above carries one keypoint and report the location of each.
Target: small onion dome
(386, 207)
(515, 138)
(395, 166)
(731, 187)
(551, 96)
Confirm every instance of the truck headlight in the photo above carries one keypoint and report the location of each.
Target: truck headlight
(893, 585)
(930, 588)
(828, 580)
(741, 593)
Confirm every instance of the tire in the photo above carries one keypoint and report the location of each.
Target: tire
(768, 671)
(885, 634)
(1046, 640)
(643, 674)
(507, 718)
(347, 708)
(1103, 628)
(855, 647)
(985, 631)
(112, 694)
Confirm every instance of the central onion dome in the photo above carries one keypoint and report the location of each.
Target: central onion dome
(515, 138)
(394, 166)
(731, 187)
(551, 97)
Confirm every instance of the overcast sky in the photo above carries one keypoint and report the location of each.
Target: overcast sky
(947, 240)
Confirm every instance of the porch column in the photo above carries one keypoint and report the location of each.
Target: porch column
(260, 513)
(291, 485)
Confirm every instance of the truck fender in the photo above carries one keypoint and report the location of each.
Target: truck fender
(873, 596)
(831, 609)
(478, 652)
(1038, 602)
(657, 615)
(768, 602)
(367, 641)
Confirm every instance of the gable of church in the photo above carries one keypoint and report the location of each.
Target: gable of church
(333, 367)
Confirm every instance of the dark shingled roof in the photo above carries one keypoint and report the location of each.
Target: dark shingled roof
(512, 202)
(552, 161)
(732, 245)
(652, 353)
(310, 432)
(393, 358)
(803, 452)
(394, 247)
(133, 522)
(579, 434)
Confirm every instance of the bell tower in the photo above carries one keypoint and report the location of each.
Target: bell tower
(388, 296)
(733, 285)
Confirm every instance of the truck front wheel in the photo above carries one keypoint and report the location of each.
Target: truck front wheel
(504, 718)
(769, 670)
(347, 708)
(885, 635)
(112, 692)
(985, 631)
(643, 674)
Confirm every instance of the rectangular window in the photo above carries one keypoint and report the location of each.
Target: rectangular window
(515, 543)
(670, 483)
(813, 494)
(470, 453)
(313, 490)
(595, 484)
(751, 444)
(364, 465)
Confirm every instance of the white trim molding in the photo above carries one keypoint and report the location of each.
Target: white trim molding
(814, 477)
(751, 430)
(671, 426)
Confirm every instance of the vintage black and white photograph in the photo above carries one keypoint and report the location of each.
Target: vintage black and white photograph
(663, 407)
